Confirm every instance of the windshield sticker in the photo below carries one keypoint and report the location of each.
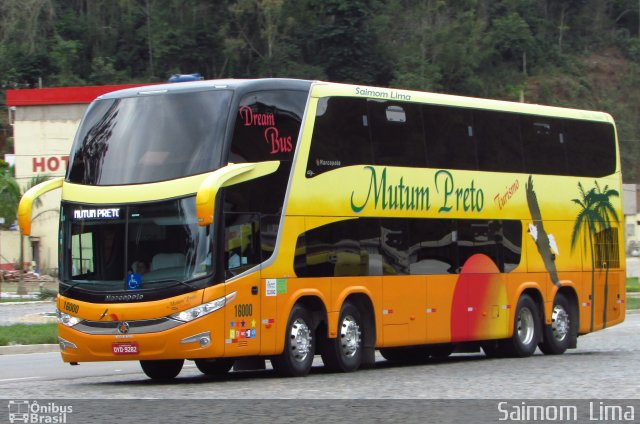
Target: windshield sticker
(96, 213)
(134, 281)
(272, 288)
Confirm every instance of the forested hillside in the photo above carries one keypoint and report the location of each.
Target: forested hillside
(578, 53)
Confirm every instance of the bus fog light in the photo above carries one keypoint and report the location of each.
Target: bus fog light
(66, 344)
(203, 338)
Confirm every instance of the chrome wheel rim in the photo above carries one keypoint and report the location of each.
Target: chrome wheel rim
(300, 340)
(525, 326)
(349, 337)
(560, 323)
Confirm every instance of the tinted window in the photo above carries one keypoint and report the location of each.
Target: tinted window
(369, 246)
(591, 149)
(353, 131)
(262, 199)
(241, 242)
(432, 246)
(333, 250)
(544, 145)
(449, 137)
(267, 126)
(396, 133)
(340, 135)
(150, 138)
(498, 141)
(394, 246)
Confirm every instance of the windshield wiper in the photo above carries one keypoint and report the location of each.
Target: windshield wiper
(65, 291)
(169, 280)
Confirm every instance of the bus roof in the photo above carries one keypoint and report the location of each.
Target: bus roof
(238, 85)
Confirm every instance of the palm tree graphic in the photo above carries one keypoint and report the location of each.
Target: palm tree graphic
(595, 216)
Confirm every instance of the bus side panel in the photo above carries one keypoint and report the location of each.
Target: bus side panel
(242, 317)
(479, 297)
(403, 310)
(616, 297)
(440, 290)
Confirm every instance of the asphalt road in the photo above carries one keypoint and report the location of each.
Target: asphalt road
(605, 365)
(463, 388)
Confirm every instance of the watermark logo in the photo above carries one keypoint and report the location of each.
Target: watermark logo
(24, 411)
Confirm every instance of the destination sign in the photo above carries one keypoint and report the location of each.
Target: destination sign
(106, 213)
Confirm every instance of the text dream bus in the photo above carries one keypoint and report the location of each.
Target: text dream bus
(233, 221)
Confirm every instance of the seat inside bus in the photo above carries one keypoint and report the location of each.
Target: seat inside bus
(167, 260)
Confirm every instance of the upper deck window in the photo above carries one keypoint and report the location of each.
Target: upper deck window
(150, 138)
(357, 131)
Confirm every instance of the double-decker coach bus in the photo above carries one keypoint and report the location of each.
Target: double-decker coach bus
(233, 221)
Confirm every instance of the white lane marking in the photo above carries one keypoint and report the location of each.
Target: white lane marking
(17, 379)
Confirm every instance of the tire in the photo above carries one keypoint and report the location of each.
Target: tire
(214, 367)
(165, 369)
(557, 335)
(299, 345)
(526, 329)
(344, 353)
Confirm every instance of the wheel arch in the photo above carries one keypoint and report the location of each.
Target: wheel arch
(569, 292)
(363, 303)
(536, 295)
(314, 302)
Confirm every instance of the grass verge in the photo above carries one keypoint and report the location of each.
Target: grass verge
(26, 334)
(633, 303)
(633, 285)
(17, 299)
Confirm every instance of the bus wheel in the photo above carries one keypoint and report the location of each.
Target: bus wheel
(162, 370)
(344, 353)
(558, 334)
(526, 329)
(299, 345)
(217, 366)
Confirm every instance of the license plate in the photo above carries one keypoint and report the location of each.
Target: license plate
(125, 348)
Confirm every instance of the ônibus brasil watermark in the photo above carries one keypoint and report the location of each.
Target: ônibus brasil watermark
(32, 412)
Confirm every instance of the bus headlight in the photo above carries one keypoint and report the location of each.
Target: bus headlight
(66, 319)
(204, 309)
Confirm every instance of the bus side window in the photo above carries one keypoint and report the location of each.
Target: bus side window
(432, 246)
(544, 145)
(394, 246)
(339, 249)
(340, 135)
(397, 135)
(450, 137)
(267, 126)
(242, 249)
(591, 148)
(82, 254)
(498, 140)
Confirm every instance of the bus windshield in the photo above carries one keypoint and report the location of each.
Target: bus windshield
(134, 247)
(150, 138)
